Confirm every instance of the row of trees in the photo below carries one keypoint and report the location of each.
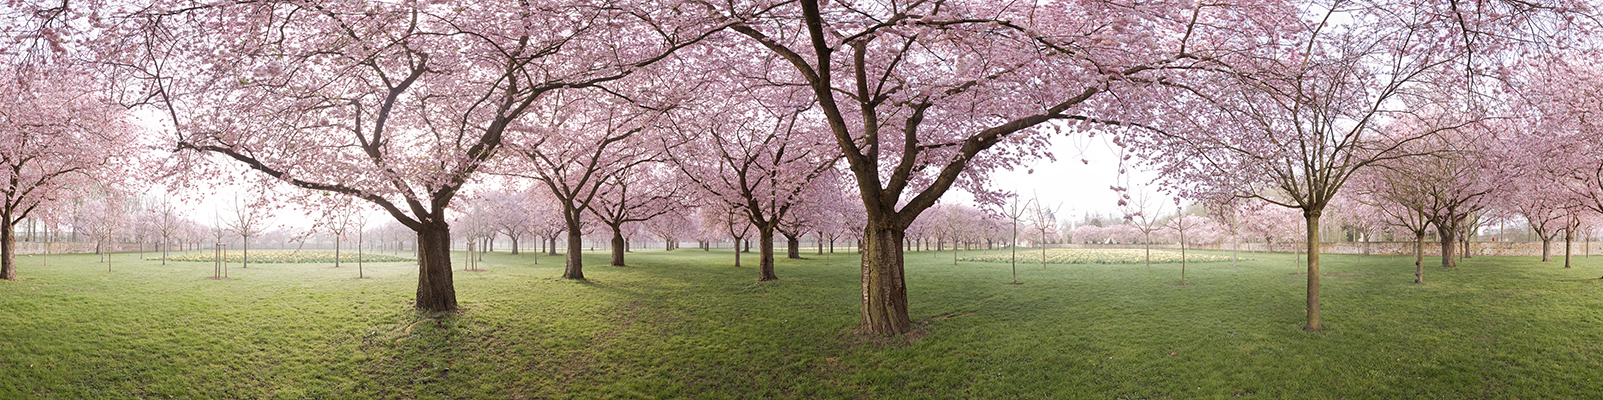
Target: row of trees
(405, 106)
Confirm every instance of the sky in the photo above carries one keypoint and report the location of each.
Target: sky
(1081, 187)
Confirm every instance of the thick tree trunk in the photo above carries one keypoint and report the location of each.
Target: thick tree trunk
(575, 265)
(1312, 216)
(618, 246)
(1449, 239)
(884, 303)
(792, 247)
(551, 246)
(514, 244)
(737, 252)
(765, 248)
(1547, 249)
(435, 290)
(8, 248)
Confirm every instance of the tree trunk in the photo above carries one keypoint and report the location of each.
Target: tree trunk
(1449, 239)
(618, 245)
(1147, 244)
(737, 252)
(792, 247)
(765, 248)
(1547, 248)
(8, 248)
(1182, 251)
(551, 246)
(435, 290)
(884, 306)
(1312, 216)
(1569, 237)
(575, 265)
(514, 244)
(1419, 257)
(336, 251)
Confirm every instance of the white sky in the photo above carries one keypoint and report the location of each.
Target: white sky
(1081, 187)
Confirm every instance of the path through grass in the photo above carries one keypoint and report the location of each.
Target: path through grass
(689, 324)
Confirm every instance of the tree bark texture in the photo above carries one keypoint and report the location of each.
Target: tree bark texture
(1449, 239)
(8, 249)
(435, 291)
(1312, 216)
(765, 262)
(884, 306)
(618, 246)
(575, 265)
(1547, 249)
(792, 247)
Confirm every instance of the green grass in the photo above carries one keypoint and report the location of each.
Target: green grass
(283, 256)
(1094, 256)
(689, 324)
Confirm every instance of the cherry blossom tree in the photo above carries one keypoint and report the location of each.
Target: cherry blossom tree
(512, 214)
(1293, 120)
(101, 213)
(1455, 182)
(918, 94)
(396, 103)
(1399, 202)
(57, 132)
(579, 144)
(955, 222)
(756, 151)
(1557, 159)
(638, 193)
(548, 222)
(671, 228)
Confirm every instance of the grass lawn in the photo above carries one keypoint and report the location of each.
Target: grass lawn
(687, 324)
